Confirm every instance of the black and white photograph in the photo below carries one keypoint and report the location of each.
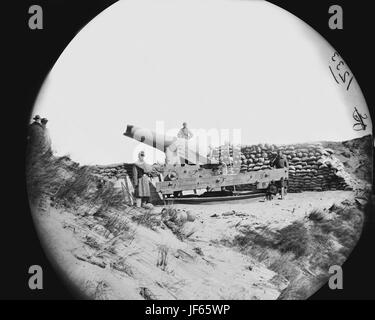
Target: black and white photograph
(199, 150)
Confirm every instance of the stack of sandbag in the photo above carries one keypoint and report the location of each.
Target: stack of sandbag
(111, 171)
(311, 167)
(256, 157)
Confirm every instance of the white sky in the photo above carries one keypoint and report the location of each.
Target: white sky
(223, 64)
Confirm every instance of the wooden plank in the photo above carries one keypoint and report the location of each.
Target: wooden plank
(197, 182)
(215, 199)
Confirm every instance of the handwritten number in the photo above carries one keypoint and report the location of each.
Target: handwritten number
(350, 82)
(336, 54)
(343, 78)
(333, 74)
(340, 67)
(340, 64)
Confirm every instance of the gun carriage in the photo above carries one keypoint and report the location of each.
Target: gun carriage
(187, 169)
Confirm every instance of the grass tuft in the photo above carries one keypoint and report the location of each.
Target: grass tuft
(316, 215)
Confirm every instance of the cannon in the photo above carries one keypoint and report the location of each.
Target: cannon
(188, 169)
(177, 150)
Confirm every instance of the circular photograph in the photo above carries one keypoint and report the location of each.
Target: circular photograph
(199, 149)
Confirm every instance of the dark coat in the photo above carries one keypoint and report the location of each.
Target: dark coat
(141, 182)
(280, 162)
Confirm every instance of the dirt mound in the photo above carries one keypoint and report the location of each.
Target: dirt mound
(356, 156)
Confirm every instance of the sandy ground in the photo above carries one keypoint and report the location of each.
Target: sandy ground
(197, 268)
(218, 220)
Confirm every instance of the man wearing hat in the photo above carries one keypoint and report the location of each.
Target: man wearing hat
(141, 180)
(35, 131)
(36, 121)
(39, 141)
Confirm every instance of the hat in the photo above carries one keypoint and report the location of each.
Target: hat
(37, 117)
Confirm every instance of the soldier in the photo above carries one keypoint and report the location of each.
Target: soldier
(280, 162)
(36, 121)
(44, 122)
(271, 190)
(35, 137)
(184, 132)
(35, 127)
(141, 180)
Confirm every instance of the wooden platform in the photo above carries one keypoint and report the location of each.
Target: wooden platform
(203, 199)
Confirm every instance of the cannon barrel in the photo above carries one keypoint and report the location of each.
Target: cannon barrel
(149, 137)
(174, 148)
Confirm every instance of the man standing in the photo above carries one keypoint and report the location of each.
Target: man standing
(280, 162)
(141, 180)
(35, 137)
(35, 127)
(184, 132)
